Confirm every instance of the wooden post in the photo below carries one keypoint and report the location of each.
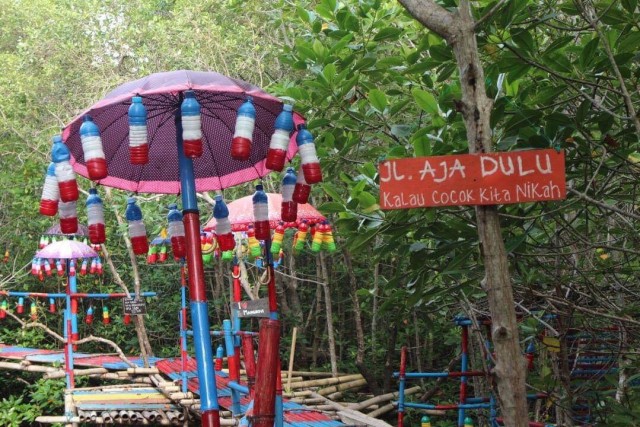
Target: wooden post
(291, 357)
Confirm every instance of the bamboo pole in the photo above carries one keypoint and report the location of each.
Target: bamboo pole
(291, 357)
(142, 371)
(25, 367)
(76, 373)
(382, 398)
(351, 415)
(327, 381)
(342, 387)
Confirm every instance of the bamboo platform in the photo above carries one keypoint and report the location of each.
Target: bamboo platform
(153, 396)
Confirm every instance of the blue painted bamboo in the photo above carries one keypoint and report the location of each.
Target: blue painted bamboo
(230, 348)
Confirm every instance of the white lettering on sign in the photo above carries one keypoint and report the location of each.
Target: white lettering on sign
(445, 171)
(490, 165)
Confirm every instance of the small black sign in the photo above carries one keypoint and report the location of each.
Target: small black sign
(255, 308)
(134, 306)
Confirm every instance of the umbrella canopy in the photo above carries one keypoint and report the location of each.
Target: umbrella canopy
(55, 230)
(219, 97)
(241, 213)
(67, 249)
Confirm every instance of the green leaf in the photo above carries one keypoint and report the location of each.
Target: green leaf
(630, 5)
(329, 73)
(524, 40)
(425, 100)
(586, 56)
(629, 42)
(422, 147)
(378, 100)
(332, 207)
(387, 33)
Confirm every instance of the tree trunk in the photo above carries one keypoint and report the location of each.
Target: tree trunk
(329, 314)
(459, 31)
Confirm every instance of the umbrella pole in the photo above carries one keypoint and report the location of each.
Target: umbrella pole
(197, 294)
(273, 308)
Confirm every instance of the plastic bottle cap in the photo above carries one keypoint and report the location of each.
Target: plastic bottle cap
(287, 107)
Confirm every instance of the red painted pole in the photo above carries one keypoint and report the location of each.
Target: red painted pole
(264, 403)
(249, 361)
(403, 371)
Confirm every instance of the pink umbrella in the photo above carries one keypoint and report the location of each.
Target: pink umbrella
(67, 249)
(55, 230)
(241, 213)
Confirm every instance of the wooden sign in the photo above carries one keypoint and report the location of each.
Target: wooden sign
(252, 308)
(472, 179)
(134, 306)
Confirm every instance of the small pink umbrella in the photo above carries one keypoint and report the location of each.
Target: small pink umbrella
(241, 213)
(55, 230)
(67, 249)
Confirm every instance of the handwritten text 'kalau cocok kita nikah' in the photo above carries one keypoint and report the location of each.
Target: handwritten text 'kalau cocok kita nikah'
(472, 179)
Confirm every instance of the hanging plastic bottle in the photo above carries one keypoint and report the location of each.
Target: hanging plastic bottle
(529, 354)
(152, 254)
(302, 190)
(219, 357)
(243, 135)
(33, 310)
(425, 421)
(254, 245)
(68, 214)
(20, 307)
(191, 125)
(226, 241)
(138, 143)
(318, 238)
(106, 319)
(67, 184)
(126, 319)
(50, 192)
(94, 265)
(47, 267)
(328, 243)
(137, 231)
(176, 232)
(301, 236)
(88, 319)
(92, 148)
(227, 255)
(162, 255)
(83, 267)
(278, 237)
(307, 150)
(35, 266)
(43, 241)
(207, 246)
(261, 214)
(72, 267)
(468, 422)
(95, 218)
(52, 305)
(277, 154)
(3, 309)
(289, 211)
(99, 266)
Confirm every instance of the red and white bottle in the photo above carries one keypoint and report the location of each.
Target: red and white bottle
(95, 218)
(307, 150)
(289, 208)
(50, 192)
(176, 232)
(138, 143)
(92, 148)
(226, 241)
(243, 135)
(191, 125)
(137, 230)
(277, 154)
(261, 214)
(302, 190)
(65, 175)
(67, 212)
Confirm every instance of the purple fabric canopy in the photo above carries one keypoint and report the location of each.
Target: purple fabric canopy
(219, 97)
(67, 249)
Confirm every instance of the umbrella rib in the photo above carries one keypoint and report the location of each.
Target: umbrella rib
(213, 159)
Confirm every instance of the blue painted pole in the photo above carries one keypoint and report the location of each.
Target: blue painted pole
(464, 365)
(73, 288)
(234, 373)
(273, 314)
(183, 327)
(210, 416)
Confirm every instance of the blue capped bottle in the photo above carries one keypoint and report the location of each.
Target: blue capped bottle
(95, 218)
(243, 135)
(138, 143)
(92, 149)
(261, 214)
(224, 235)
(65, 175)
(50, 192)
(191, 125)
(307, 149)
(176, 232)
(277, 154)
(137, 230)
(289, 211)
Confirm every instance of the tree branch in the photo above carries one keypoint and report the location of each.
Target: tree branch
(431, 15)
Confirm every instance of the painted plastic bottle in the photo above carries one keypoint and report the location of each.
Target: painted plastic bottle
(255, 250)
(226, 241)
(33, 310)
(3, 309)
(137, 231)
(52, 305)
(289, 208)
(88, 319)
(138, 142)
(95, 217)
(191, 125)
(65, 175)
(425, 421)
(278, 237)
(176, 232)
(83, 267)
(68, 214)
(219, 357)
(20, 307)
(277, 154)
(92, 148)
(328, 242)
(318, 238)
(302, 190)
(50, 192)
(106, 318)
(307, 150)
(468, 422)
(301, 236)
(261, 214)
(243, 135)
